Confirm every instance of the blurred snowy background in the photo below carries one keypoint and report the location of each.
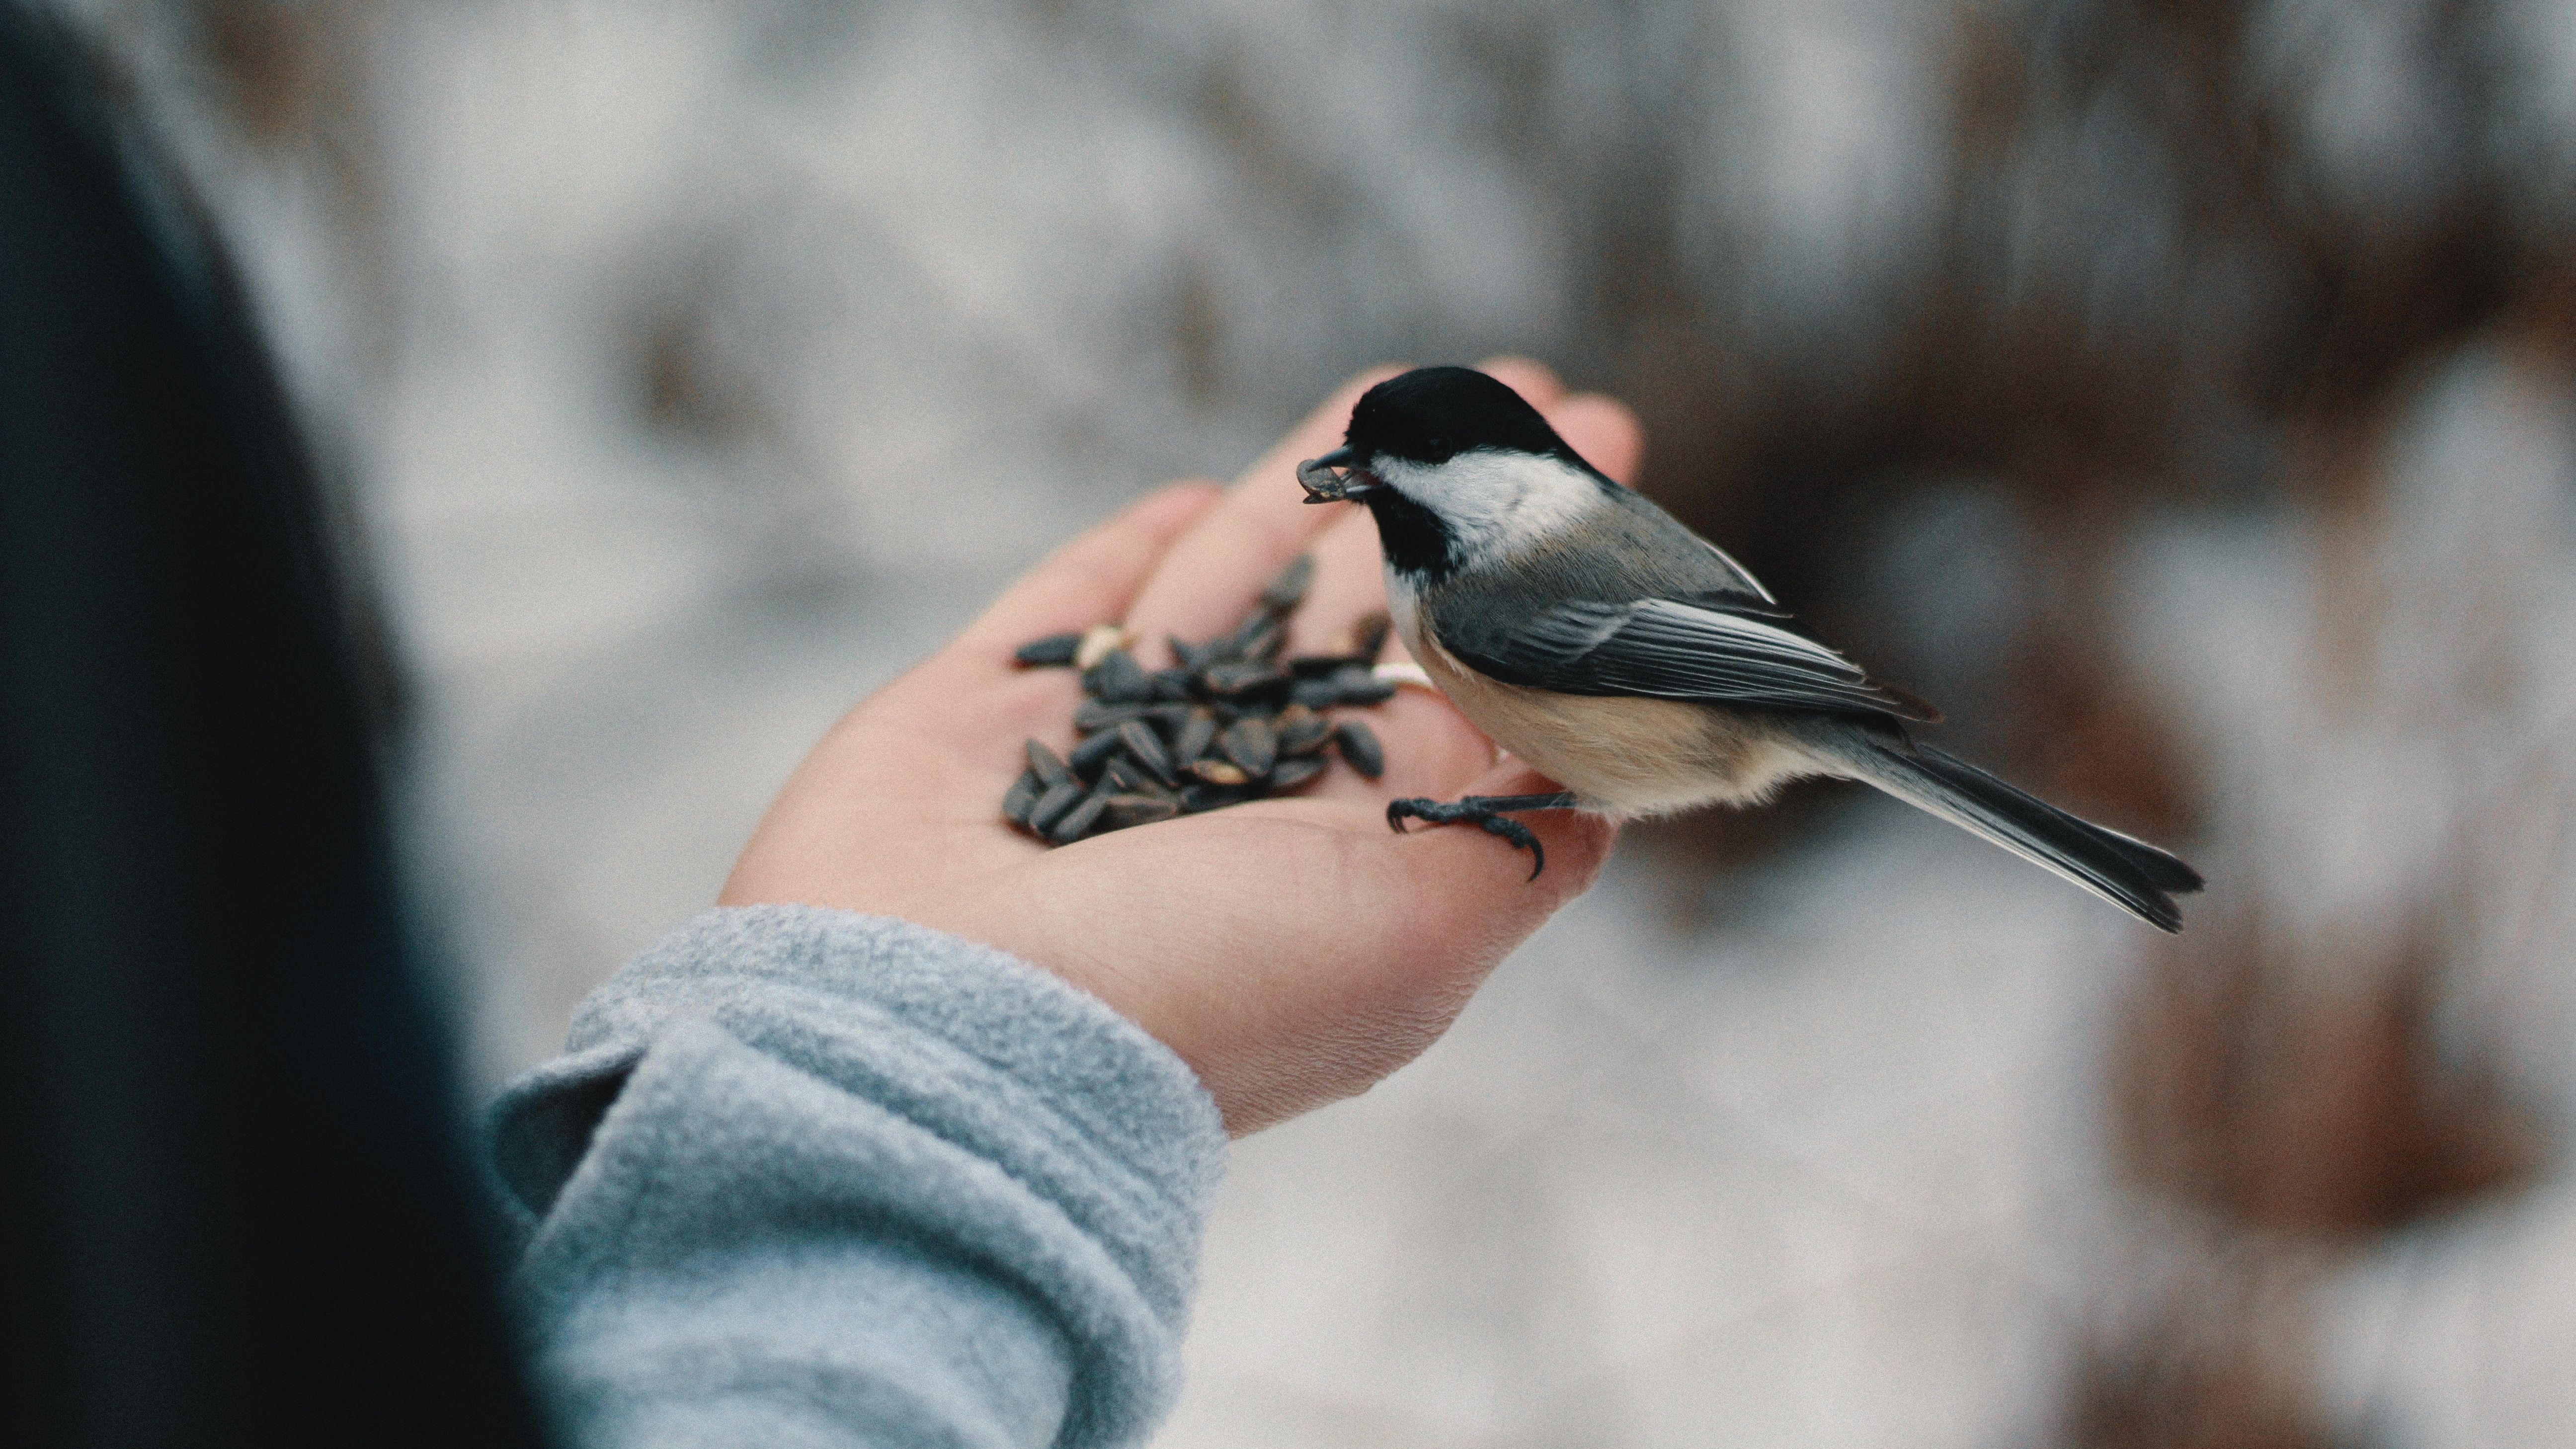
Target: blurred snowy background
(2182, 391)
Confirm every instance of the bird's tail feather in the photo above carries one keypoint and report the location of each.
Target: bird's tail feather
(2129, 873)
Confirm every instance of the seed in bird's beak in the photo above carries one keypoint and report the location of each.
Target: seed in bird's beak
(1323, 485)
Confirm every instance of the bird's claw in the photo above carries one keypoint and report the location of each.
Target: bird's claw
(1519, 835)
(1483, 812)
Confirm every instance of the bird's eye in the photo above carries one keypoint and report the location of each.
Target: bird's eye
(1440, 445)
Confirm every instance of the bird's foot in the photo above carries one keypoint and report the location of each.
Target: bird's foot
(1485, 812)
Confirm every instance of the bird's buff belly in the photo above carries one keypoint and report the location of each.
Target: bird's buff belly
(1623, 756)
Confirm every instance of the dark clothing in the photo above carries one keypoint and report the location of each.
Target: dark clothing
(237, 1207)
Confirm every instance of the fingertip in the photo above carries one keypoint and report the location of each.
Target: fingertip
(1604, 430)
(1578, 846)
(1535, 381)
(1578, 841)
(1096, 575)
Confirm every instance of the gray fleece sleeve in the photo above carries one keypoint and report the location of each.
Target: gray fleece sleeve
(804, 1177)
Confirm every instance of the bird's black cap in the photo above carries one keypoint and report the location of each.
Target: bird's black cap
(1433, 414)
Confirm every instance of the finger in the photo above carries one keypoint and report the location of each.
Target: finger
(1603, 431)
(1535, 381)
(1094, 578)
(1349, 581)
(1214, 570)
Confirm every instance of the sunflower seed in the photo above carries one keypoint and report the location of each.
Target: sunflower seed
(1286, 591)
(1219, 772)
(1054, 805)
(1092, 716)
(1241, 678)
(1146, 748)
(1091, 754)
(1119, 679)
(1261, 637)
(1315, 693)
(1293, 773)
(1196, 732)
(1023, 794)
(1121, 811)
(1098, 642)
(1368, 636)
(1357, 685)
(1078, 822)
(1235, 720)
(1198, 795)
(1250, 743)
(1127, 777)
(1049, 767)
(1360, 747)
(1301, 730)
(1053, 649)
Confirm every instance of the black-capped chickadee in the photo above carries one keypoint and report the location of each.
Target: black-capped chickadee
(1588, 632)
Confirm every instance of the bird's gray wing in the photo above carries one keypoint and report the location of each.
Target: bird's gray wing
(1720, 648)
(1738, 575)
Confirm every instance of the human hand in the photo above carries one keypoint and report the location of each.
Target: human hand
(1292, 950)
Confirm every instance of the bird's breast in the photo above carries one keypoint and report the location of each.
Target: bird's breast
(1625, 755)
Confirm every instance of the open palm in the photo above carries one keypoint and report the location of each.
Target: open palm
(1292, 950)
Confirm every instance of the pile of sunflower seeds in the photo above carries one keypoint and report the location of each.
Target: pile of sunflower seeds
(1232, 721)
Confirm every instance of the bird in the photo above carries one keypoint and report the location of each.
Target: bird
(1600, 641)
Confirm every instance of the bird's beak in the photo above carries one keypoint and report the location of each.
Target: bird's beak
(1323, 485)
